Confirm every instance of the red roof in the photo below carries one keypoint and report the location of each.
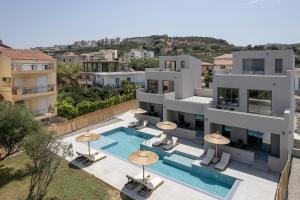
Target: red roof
(25, 54)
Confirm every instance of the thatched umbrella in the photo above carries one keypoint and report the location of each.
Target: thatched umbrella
(216, 138)
(143, 157)
(166, 126)
(138, 111)
(88, 137)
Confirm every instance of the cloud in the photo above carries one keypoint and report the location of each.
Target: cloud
(252, 2)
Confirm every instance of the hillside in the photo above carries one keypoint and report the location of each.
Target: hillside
(204, 48)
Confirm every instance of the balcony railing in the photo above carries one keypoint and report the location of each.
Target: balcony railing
(32, 68)
(32, 90)
(41, 112)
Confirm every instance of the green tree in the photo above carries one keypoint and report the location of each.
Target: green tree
(66, 110)
(208, 78)
(139, 64)
(68, 73)
(43, 148)
(16, 122)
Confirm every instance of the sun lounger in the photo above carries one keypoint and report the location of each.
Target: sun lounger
(134, 181)
(135, 124)
(145, 123)
(173, 143)
(208, 157)
(223, 163)
(163, 139)
(150, 186)
(93, 157)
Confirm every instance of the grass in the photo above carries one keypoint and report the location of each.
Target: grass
(69, 182)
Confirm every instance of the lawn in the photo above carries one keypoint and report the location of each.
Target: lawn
(69, 182)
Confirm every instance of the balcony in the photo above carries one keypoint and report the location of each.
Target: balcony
(263, 123)
(85, 82)
(45, 113)
(20, 93)
(32, 69)
(158, 98)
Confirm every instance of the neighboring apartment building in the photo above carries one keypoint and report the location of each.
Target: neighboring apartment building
(223, 62)
(136, 53)
(107, 70)
(252, 104)
(29, 77)
(70, 58)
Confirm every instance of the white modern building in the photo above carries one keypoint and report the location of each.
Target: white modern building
(136, 53)
(252, 104)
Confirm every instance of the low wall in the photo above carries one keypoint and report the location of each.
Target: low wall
(92, 118)
(184, 133)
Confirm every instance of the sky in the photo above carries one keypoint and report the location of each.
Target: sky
(31, 23)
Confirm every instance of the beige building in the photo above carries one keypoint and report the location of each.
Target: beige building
(29, 77)
(223, 62)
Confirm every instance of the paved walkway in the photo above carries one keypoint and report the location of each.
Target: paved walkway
(294, 181)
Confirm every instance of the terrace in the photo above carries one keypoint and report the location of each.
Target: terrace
(252, 184)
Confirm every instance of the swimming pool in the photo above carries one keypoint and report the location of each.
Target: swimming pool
(177, 166)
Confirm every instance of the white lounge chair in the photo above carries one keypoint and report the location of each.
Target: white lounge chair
(150, 186)
(173, 143)
(163, 139)
(208, 157)
(135, 124)
(134, 181)
(223, 163)
(93, 157)
(145, 123)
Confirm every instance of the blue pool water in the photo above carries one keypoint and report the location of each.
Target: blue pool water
(122, 141)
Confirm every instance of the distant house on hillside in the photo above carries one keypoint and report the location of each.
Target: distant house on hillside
(136, 53)
(223, 62)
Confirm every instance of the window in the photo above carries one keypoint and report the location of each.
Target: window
(182, 64)
(152, 86)
(170, 65)
(168, 86)
(226, 131)
(117, 81)
(278, 66)
(254, 66)
(128, 79)
(260, 102)
(228, 96)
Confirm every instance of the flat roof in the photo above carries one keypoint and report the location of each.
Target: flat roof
(198, 99)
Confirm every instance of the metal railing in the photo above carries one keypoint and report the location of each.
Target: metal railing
(33, 90)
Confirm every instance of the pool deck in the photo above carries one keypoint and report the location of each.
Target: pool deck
(254, 184)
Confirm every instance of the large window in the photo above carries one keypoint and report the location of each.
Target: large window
(260, 101)
(168, 86)
(253, 66)
(226, 131)
(170, 65)
(278, 66)
(228, 96)
(153, 86)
